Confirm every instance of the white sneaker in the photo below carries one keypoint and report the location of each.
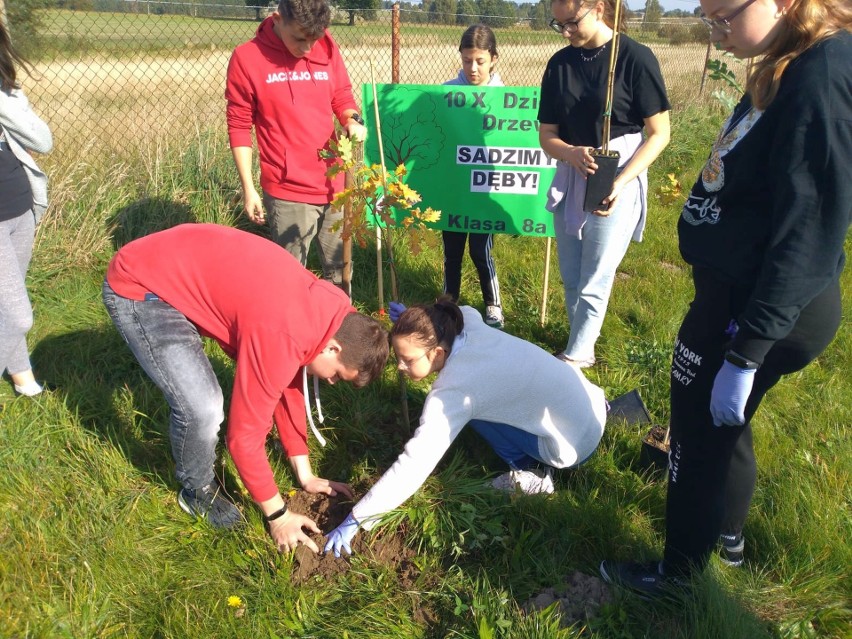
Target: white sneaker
(528, 482)
(494, 316)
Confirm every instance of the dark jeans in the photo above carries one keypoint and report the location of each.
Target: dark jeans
(479, 246)
(170, 351)
(712, 470)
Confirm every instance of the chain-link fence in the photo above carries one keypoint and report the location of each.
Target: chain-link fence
(117, 80)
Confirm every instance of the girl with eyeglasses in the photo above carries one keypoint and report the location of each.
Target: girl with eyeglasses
(535, 412)
(763, 230)
(572, 104)
(24, 199)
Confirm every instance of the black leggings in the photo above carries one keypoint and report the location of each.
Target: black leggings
(480, 252)
(712, 470)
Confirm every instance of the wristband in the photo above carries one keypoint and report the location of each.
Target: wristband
(357, 117)
(738, 360)
(278, 513)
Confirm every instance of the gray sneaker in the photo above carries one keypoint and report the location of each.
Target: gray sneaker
(210, 503)
(494, 316)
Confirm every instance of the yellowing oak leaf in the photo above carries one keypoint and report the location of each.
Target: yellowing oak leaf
(344, 150)
(430, 215)
(408, 194)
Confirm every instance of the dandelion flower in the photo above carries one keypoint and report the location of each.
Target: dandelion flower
(234, 601)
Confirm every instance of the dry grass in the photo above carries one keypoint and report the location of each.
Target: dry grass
(124, 103)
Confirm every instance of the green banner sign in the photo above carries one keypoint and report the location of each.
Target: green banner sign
(471, 152)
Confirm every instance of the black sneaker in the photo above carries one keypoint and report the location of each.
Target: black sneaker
(646, 580)
(210, 503)
(732, 549)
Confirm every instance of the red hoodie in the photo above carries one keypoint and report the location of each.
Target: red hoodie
(290, 101)
(263, 308)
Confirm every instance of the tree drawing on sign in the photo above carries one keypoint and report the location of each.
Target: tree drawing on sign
(411, 136)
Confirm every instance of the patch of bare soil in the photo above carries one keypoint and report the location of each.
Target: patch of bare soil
(387, 549)
(579, 598)
(658, 438)
(654, 454)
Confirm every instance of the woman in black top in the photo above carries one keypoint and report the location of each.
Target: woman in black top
(572, 104)
(763, 230)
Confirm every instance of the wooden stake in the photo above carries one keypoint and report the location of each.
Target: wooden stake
(403, 386)
(610, 86)
(380, 272)
(546, 281)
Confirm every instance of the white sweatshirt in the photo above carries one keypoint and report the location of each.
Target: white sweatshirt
(496, 377)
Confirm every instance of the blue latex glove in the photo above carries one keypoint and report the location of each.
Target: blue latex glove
(731, 389)
(341, 537)
(395, 309)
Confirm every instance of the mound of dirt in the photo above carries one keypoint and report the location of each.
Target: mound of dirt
(387, 550)
(578, 599)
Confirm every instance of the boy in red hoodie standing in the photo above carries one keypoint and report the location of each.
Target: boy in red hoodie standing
(276, 320)
(288, 82)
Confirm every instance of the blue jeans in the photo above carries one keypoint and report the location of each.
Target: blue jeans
(169, 349)
(516, 447)
(588, 268)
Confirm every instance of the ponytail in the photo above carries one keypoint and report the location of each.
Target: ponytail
(432, 325)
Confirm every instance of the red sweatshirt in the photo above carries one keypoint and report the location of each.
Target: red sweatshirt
(290, 101)
(263, 308)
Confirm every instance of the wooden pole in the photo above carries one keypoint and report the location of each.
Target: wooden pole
(403, 387)
(704, 70)
(347, 240)
(610, 85)
(380, 275)
(395, 42)
(546, 281)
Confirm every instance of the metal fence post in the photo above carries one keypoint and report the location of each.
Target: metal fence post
(395, 37)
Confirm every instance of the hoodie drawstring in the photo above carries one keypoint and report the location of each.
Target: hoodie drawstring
(308, 410)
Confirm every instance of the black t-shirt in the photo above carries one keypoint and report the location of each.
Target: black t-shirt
(772, 206)
(17, 197)
(573, 91)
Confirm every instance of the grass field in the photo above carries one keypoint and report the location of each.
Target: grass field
(92, 543)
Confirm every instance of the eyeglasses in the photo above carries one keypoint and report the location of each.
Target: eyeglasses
(724, 24)
(573, 25)
(408, 363)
